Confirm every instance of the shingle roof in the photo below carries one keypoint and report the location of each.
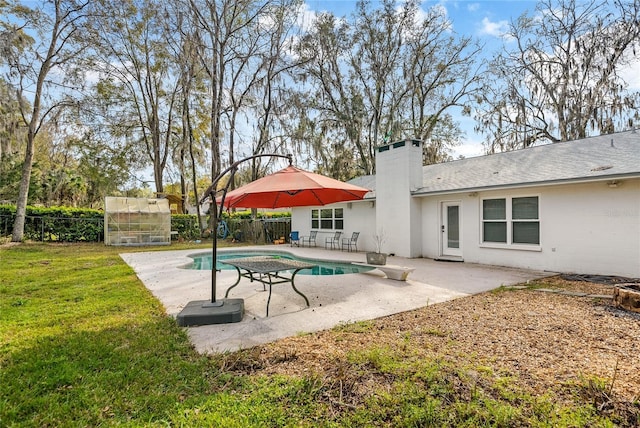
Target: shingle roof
(611, 156)
(604, 157)
(366, 181)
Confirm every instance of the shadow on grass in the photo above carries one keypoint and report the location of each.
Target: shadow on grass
(136, 372)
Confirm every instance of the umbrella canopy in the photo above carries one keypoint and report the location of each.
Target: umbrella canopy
(292, 187)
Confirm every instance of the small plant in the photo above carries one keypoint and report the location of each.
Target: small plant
(436, 332)
(598, 391)
(354, 327)
(379, 239)
(377, 257)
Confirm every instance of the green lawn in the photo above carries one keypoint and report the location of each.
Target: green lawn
(83, 343)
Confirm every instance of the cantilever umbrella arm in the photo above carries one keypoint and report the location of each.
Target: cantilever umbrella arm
(233, 168)
(216, 213)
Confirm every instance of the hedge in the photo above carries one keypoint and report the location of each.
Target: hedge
(65, 224)
(186, 225)
(61, 224)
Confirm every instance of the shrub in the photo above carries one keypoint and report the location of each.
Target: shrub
(65, 224)
(61, 224)
(186, 225)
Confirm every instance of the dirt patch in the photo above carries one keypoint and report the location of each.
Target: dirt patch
(548, 341)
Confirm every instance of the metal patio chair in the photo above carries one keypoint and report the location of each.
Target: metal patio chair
(309, 239)
(333, 241)
(351, 243)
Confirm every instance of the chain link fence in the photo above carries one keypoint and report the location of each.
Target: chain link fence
(56, 229)
(69, 229)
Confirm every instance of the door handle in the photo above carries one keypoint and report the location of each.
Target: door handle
(442, 228)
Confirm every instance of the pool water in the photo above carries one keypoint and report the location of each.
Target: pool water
(203, 262)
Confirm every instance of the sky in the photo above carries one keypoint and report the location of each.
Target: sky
(485, 20)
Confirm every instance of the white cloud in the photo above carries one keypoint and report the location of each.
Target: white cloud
(442, 8)
(426, 11)
(469, 149)
(473, 7)
(471, 141)
(497, 29)
(93, 76)
(306, 17)
(631, 74)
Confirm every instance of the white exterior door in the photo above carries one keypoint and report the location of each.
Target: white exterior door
(450, 229)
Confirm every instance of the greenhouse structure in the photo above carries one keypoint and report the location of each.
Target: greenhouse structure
(136, 221)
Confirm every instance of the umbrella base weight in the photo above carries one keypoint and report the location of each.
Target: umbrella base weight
(197, 312)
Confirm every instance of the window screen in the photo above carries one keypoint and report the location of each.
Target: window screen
(526, 226)
(511, 220)
(494, 216)
(327, 218)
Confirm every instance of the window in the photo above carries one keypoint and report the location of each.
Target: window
(494, 215)
(526, 225)
(327, 218)
(518, 225)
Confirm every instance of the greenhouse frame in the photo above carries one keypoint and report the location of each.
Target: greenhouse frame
(136, 221)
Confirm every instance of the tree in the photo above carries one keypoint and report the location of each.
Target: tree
(190, 148)
(244, 44)
(222, 28)
(270, 91)
(328, 107)
(60, 182)
(12, 129)
(12, 138)
(103, 166)
(137, 86)
(444, 73)
(558, 78)
(30, 62)
(380, 39)
(388, 73)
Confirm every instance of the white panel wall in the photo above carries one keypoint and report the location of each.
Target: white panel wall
(398, 172)
(584, 228)
(359, 216)
(301, 220)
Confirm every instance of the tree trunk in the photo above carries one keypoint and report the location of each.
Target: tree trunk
(23, 193)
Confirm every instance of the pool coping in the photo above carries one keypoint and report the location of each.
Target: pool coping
(279, 251)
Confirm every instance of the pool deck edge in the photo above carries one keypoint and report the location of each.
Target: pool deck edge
(334, 299)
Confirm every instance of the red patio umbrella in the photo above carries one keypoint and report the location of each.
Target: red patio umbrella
(292, 187)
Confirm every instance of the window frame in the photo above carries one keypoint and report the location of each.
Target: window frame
(495, 221)
(510, 223)
(322, 218)
(525, 220)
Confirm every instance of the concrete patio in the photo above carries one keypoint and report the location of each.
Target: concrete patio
(333, 299)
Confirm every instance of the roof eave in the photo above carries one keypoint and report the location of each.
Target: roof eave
(419, 192)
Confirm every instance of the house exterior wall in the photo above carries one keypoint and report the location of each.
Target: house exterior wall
(359, 216)
(587, 228)
(398, 173)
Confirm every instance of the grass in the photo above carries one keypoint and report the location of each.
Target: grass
(83, 343)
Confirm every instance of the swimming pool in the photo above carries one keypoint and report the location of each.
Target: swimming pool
(202, 261)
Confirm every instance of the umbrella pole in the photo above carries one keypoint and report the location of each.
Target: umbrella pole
(211, 191)
(214, 261)
(214, 311)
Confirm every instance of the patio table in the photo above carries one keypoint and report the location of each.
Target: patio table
(267, 270)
